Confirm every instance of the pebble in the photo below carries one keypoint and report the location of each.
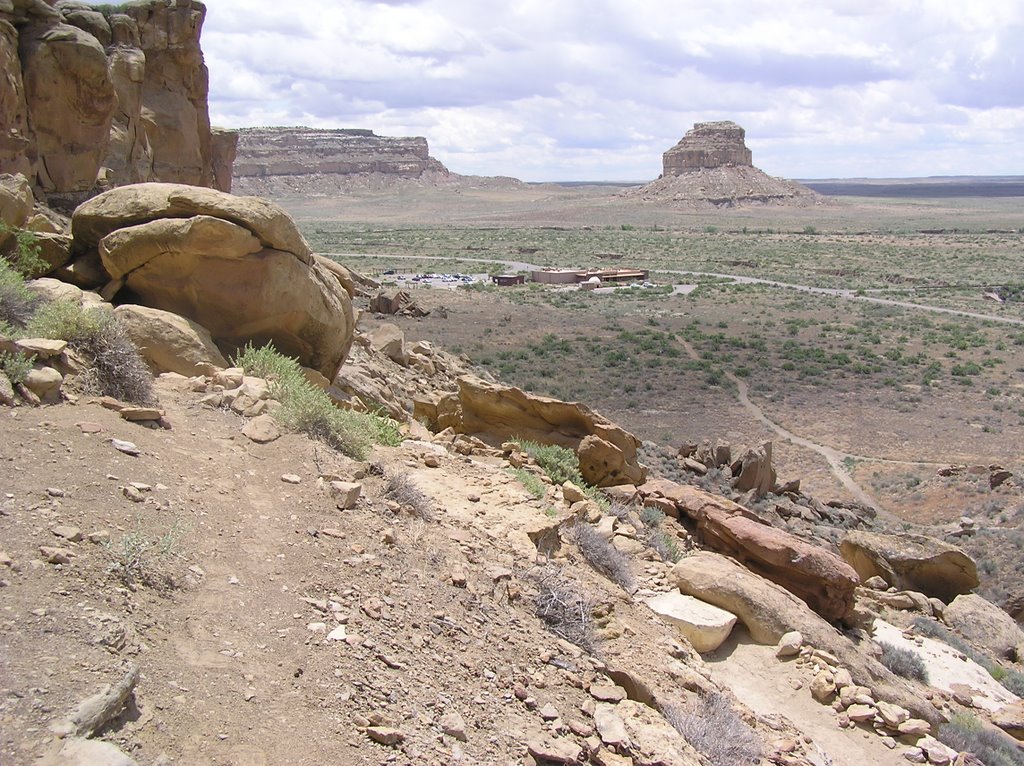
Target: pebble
(291, 478)
(54, 492)
(454, 726)
(385, 735)
(133, 494)
(55, 555)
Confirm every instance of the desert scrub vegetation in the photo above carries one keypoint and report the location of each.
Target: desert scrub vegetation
(115, 366)
(531, 482)
(603, 556)
(964, 733)
(143, 557)
(561, 465)
(716, 731)
(307, 409)
(664, 544)
(562, 607)
(903, 662)
(401, 489)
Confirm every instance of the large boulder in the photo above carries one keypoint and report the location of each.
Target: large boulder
(170, 343)
(71, 102)
(986, 625)
(237, 266)
(496, 413)
(911, 562)
(753, 471)
(15, 204)
(821, 579)
(141, 203)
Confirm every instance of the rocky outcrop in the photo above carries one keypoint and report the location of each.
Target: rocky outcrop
(269, 159)
(170, 343)
(495, 413)
(986, 625)
(712, 166)
(821, 579)
(236, 266)
(911, 562)
(708, 145)
(97, 96)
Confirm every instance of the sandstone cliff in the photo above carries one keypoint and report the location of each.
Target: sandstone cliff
(279, 160)
(103, 96)
(711, 165)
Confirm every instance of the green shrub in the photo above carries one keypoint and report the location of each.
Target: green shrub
(530, 481)
(903, 662)
(559, 463)
(965, 733)
(17, 302)
(307, 409)
(15, 366)
(24, 256)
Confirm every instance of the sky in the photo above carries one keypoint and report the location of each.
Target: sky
(557, 90)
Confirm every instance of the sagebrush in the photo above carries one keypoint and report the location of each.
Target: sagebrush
(563, 608)
(603, 556)
(964, 733)
(400, 488)
(903, 662)
(716, 731)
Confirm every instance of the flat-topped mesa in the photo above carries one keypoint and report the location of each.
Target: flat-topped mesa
(269, 152)
(708, 145)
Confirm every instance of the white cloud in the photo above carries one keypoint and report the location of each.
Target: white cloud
(598, 89)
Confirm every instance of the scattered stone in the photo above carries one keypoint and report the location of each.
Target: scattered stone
(610, 726)
(133, 494)
(6, 560)
(385, 735)
(915, 727)
(55, 555)
(140, 414)
(546, 748)
(789, 645)
(823, 687)
(454, 726)
(860, 713)
(126, 447)
(262, 429)
(549, 712)
(346, 494)
(291, 478)
(607, 692)
(458, 576)
(892, 715)
(71, 534)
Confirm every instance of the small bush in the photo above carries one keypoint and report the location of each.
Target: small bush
(307, 409)
(15, 367)
(662, 542)
(400, 488)
(559, 463)
(562, 607)
(17, 302)
(903, 662)
(139, 558)
(603, 556)
(116, 367)
(716, 731)
(24, 256)
(964, 733)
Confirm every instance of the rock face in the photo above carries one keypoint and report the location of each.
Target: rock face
(708, 145)
(911, 562)
(236, 266)
(268, 158)
(496, 413)
(100, 96)
(712, 166)
(705, 626)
